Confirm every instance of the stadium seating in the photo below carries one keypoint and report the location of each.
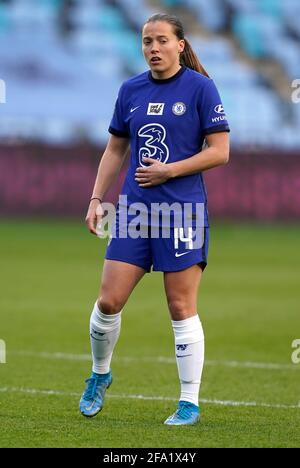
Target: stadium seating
(68, 63)
(213, 18)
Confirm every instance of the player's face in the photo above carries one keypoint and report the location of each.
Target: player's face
(161, 48)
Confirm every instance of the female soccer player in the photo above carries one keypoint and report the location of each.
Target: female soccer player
(164, 116)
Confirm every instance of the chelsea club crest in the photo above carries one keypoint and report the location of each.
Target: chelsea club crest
(179, 108)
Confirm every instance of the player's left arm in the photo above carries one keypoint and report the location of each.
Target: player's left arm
(215, 154)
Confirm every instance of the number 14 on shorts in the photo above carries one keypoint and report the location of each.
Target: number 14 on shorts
(179, 235)
(193, 238)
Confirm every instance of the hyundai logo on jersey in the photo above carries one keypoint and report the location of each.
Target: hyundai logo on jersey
(219, 109)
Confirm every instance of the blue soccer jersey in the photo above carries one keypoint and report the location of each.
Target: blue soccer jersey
(167, 120)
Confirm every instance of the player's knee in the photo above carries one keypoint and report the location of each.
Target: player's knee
(178, 309)
(109, 305)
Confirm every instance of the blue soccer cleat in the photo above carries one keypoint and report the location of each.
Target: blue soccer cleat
(186, 413)
(92, 399)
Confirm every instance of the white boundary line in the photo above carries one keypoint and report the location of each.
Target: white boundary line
(33, 391)
(159, 359)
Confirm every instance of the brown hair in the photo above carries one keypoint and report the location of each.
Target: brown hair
(188, 56)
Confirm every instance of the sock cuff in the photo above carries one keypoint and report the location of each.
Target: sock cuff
(104, 321)
(106, 317)
(188, 331)
(180, 324)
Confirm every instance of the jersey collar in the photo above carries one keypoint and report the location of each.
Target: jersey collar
(167, 80)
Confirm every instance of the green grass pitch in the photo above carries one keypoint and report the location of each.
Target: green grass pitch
(249, 306)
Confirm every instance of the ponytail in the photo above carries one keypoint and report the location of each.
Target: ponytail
(188, 57)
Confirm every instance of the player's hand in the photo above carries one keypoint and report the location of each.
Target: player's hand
(155, 174)
(94, 216)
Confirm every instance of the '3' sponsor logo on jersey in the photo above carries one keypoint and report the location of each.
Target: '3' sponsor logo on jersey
(153, 144)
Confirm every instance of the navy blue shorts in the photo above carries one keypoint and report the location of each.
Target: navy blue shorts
(174, 253)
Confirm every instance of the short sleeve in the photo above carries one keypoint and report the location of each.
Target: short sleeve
(211, 111)
(118, 125)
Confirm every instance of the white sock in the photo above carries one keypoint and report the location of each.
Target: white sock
(104, 333)
(189, 349)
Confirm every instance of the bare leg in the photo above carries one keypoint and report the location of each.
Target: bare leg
(182, 290)
(118, 281)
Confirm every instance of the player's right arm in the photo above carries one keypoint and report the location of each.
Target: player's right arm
(109, 167)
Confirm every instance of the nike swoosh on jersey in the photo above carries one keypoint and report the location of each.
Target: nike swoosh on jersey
(181, 254)
(134, 108)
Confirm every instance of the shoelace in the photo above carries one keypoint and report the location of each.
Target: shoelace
(91, 389)
(184, 411)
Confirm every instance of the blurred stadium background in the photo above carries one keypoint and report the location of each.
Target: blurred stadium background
(62, 62)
